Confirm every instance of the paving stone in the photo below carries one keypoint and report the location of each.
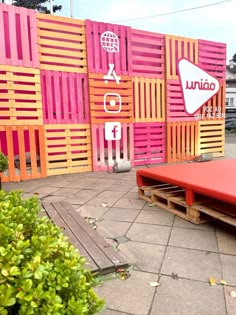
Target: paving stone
(107, 197)
(58, 183)
(45, 190)
(85, 195)
(120, 187)
(112, 229)
(132, 296)
(53, 198)
(147, 233)
(66, 192)
(181, 223)
(230, 301)
(131, 195)
(228, 264)
(91, 211)
(191, 264)
(146, 257)
(160, 217)
(195, 239)
(112, 312)
(120, 214)
(226, 239)
(130, 203)
(134, 189)
(185, 297)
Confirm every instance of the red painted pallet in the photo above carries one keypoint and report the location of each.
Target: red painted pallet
(68, 149)
(110, 101)
(108, 48)
(149, 143)
(182, 141)
(20, 96)
(25, 150)
(212, 58)
(149, 100)
(106, 153)
(62, 44)
(65, 97)
(176, 48)
(148, 54)
(18, 37)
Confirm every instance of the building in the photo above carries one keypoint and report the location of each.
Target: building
(231, 89)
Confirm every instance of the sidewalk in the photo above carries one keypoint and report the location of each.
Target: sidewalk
(163, 248)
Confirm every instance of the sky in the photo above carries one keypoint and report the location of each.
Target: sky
(216, 23)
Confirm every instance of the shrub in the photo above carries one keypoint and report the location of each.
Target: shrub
(3, 166)
(40, 271)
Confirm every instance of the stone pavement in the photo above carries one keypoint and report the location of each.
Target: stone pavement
(162, 247)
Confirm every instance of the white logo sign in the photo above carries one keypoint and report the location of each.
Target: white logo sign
(110, 42)
(197, 85)
(111, 74)
(112, 131)
(112, 103)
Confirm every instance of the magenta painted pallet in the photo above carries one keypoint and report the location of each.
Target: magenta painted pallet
(65, 97)
(175, 108)
(117, 54)
(149, 143)
(212, 58)
(106, 153)
(18, 37)
(148, 54)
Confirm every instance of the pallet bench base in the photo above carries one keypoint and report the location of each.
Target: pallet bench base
(173, 199)
(100, 256)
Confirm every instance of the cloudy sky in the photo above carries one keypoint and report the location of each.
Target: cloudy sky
(215, 23)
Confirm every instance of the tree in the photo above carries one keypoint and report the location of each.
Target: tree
(3, 166)
(39, 5)
(234, 58)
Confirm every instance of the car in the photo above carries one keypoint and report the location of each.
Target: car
(230, 126)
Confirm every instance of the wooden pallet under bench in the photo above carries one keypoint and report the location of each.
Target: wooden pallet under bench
(173, 199)
(101, 257)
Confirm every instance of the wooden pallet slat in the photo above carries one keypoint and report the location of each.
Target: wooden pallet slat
(17, 141)
(68, 148)
(102, 94)
(106, 153)
(147, 53)
(66, 35)
(13, 51)
(149, 100)
(20, 99)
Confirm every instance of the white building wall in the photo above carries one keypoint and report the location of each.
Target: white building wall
(231, 99)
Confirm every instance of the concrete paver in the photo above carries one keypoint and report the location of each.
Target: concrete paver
(155, 217)
(230, 302)
(228, 263)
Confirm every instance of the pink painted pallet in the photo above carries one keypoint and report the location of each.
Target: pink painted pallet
(149, 143)
(212, 58)
(108, 48)
(175, 108)
(148, 54)
(18, 37)
(106, 153)
(65, 97)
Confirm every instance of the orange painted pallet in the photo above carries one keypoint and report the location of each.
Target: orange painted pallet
(211, 137)
(62, 44)
(68, 149)
(20, 96)
(15, 142)
(110, 101)
(181, 141)
(149, 100)
(176, 48)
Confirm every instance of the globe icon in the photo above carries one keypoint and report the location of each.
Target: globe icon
(110, 42)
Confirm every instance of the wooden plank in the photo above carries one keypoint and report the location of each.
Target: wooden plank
(51, 211)
(99, 240)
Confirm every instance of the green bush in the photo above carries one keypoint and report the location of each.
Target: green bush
(41, 273)
(3, 166)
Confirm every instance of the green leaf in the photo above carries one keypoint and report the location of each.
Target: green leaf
(5, 272)
(10, 302)
(38, 275)
(27, 285)
(14, 271)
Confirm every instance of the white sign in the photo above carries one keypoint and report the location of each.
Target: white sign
(112, 103)
(110, 42)
(197, 85)
(112, 131)
(111, 75)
